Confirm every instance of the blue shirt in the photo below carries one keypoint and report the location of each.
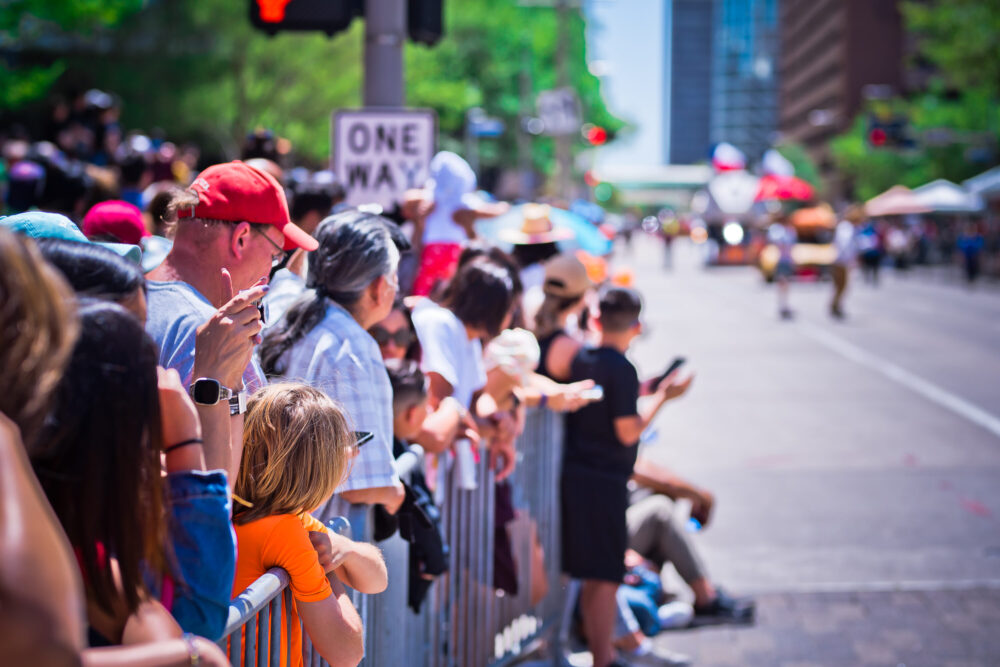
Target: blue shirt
(176, 310)
(204, 550)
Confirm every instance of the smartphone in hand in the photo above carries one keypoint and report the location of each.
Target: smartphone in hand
(674, 365)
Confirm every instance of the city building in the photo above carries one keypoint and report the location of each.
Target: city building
(834, 54)
(744, 84)
(688, 80)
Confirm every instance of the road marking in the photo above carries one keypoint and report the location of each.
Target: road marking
(906, 585)
(899, 375)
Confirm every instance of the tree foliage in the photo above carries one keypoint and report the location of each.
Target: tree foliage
(198, 70)
(955, 122)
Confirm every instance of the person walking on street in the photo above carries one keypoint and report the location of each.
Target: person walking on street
(783, 236)
(846, 244)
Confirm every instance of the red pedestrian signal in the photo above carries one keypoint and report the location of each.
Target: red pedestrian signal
(272, 11)
(877, 137)
(596, 136)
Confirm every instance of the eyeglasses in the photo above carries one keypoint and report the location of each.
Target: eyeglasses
(382, 336)
(276, 257)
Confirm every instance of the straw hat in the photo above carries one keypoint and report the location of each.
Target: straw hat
(536, 228)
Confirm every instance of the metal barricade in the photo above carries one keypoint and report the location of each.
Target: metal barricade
(464, 621)
(254, 634)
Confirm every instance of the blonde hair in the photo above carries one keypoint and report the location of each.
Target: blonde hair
(296, 444)
(38, 327)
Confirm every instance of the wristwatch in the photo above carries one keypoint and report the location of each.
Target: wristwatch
(206, 391)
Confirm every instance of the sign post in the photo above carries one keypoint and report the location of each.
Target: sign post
(378, 154)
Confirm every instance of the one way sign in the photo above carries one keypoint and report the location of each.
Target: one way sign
(380, 153)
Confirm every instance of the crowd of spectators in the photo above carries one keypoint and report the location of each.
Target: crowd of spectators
(198, 378)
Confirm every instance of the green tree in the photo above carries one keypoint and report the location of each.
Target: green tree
(22, 22)
(955, 121)
(198, 70)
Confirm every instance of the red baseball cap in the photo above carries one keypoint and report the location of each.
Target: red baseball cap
(115, 218)
(237, 192)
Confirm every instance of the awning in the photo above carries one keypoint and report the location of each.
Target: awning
(943, 196)
(897, 200)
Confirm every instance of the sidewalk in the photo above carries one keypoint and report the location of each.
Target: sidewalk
(941, 628)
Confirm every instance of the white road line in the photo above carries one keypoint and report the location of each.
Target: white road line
(899, 375)
(916, 585)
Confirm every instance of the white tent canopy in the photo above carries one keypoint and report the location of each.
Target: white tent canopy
(943, 196)
(986, 184)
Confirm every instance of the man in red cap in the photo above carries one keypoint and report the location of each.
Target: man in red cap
(232, 226)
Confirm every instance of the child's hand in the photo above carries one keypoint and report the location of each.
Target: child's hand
(330, 558)
(673, 387)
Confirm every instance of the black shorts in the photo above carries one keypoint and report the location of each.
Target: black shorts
(594, 530)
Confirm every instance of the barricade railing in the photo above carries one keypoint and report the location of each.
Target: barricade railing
(464, 621)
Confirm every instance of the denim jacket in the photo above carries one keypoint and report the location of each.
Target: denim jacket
(204, 548)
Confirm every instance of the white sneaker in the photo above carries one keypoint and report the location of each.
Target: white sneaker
(657, 657)
(676, 614)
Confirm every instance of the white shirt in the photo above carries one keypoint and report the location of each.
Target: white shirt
(448, 351)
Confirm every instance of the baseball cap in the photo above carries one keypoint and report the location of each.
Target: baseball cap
(45, 225)
(566, 276)
(236, 192)
(116, 218)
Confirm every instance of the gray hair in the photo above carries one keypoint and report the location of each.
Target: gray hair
(355, 248)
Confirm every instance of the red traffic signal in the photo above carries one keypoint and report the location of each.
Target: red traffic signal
(877, 137)
(596, 136)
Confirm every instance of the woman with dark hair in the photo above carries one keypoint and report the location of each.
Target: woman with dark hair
(395, 334)
(323, 340)
(96, 272)
(98, 458)
(475, 307)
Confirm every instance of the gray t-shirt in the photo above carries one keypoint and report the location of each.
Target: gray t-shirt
(176, 310)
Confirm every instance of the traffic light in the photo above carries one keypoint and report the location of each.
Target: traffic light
(888, 132)
(425, 21)
(329, 16)
(595, 135)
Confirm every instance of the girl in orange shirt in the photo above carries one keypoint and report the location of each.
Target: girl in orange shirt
(296, 448)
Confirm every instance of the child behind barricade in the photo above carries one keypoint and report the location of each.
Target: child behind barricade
(600, 453)
(419, 518)
(296, 451)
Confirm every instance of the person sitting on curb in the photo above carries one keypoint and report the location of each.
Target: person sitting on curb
(654, 533)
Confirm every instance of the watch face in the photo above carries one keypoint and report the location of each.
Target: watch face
(205, 391)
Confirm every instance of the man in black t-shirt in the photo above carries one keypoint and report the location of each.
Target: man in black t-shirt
(600, 452)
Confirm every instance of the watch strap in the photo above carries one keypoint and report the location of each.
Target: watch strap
(238, 404)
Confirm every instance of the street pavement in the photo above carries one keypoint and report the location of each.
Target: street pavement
(855, 464)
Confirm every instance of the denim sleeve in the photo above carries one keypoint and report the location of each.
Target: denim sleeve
(204, 549)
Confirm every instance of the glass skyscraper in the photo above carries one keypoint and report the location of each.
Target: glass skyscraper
(744, 98)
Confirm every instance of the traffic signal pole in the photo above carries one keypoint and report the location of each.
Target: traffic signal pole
(385, 33)
(564, 148)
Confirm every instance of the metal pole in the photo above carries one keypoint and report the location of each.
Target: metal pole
(523, 139)
(563, 142)
(385, 33)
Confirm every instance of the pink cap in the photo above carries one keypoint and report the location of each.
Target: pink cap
(115, 218)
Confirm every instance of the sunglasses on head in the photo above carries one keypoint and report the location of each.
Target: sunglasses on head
(402, 337)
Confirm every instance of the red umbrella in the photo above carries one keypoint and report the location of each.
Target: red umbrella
(782, 188)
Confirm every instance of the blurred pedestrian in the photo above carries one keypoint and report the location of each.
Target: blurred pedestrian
(870, 249)
(846, 244)
(782, 234)
(445, 217)
(970, 245)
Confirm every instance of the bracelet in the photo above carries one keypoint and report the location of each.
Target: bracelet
(543, 401)
(183, 443)
(194, 655)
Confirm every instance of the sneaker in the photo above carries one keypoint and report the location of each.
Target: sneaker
(657, 657)
(675, 614)
(725, 609)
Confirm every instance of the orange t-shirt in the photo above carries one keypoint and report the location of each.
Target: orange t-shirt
(281, 541)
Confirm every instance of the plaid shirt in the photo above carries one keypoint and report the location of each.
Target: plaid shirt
(343, 360)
